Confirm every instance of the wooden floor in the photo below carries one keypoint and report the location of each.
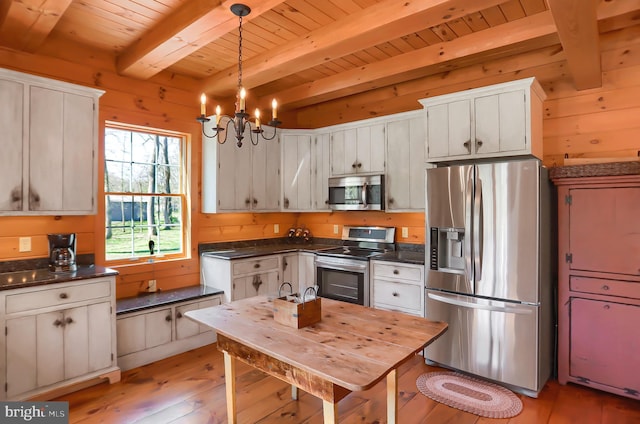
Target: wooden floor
(189, 388)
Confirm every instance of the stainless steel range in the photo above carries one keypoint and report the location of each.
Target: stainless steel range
(343, 273)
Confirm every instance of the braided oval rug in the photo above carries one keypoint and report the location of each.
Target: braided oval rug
(470, 394)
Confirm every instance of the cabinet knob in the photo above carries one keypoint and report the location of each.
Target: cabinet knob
(478, 144)
(69, 320)
(396, 272)
(359, 165)
(353, 165)
(255, 202)
(395, 294)
(391, 200)
(57, 323)
(257, 282)
(256, 266)
(607, 307)
(605, 287)
(467, 144)
(286, 202)
(63, 295)
(179, 315)
(16, 194)
(247, 202)
(167, 318)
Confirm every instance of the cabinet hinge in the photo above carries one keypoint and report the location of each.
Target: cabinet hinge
(568, 199)
(6, 387)
(631, 392)
(583, 380)
(568, 258)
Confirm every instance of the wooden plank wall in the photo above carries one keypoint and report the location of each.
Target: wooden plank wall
(597, 122)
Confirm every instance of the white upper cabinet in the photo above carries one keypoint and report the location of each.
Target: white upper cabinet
(239, 179)
(358, 150)
(494, 121)
(405, 163)
(320, 153)
(49, 160)
(296, 172)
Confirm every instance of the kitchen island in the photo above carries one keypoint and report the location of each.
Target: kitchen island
(351, 349)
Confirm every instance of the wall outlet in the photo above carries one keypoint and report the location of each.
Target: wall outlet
(25, 244)
(276, 228)
(405, 232)
(336, 229)
(151, 287)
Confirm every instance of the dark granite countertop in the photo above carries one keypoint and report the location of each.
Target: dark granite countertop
(271, 249)
(42, 276)
(404, 256)
(161, 298)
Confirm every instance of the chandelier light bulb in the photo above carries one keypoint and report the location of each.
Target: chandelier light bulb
(218, 113)
(274, 109)
(257, 118)
(243, 95)
(203, 104)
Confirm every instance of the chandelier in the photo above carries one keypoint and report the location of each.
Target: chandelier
(240, 119)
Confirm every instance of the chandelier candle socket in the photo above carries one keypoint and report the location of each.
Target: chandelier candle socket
(240, 119)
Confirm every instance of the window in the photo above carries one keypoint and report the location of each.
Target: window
(145, 200)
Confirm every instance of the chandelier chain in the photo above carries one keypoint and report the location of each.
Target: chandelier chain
(240, 56)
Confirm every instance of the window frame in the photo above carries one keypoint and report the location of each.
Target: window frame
(184, 184)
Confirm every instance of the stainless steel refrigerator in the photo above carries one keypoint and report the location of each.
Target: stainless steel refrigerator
(490, 271)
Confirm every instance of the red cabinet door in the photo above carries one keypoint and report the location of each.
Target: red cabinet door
(605, 341)
(604, 233)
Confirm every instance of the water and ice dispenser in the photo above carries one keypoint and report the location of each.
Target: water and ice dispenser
(447, 249)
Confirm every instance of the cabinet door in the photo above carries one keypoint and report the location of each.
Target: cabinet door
(265, 185)
(11, 122)
(306, 271)
(296, 173)
(21, 361)
(370, 149)
(61, 144)
(158, 328)
(344, 152)
(100, 336)
(321, 172)
(405, 164)
(234, 174)
(186, 327)
(449, 129)
(50, 348)
(131, 334)
(290, 272)
(76, 342)
(604, 343)
(604, 230)
(46, 149)
(500, 123)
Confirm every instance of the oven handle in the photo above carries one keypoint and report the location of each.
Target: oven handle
(364, 195)
(342, 267)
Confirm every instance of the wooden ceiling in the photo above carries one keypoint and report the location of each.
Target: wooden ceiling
(305, 52)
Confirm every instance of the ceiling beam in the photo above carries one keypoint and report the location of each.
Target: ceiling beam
(376, 24)
(428, 60)
(577, 25)
(192, 26)
(25, 24)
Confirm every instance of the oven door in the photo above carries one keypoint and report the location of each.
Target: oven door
(343, 279)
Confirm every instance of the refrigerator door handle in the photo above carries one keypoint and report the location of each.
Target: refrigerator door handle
(468, 193)
(472, 305)
(478, 218)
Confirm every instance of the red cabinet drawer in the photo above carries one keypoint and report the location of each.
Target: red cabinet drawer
(605, 287)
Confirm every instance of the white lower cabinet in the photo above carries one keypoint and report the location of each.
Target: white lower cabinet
(153, 334)
(398, 287)
(58, 335)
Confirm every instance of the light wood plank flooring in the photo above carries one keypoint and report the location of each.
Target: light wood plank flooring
(189, 389)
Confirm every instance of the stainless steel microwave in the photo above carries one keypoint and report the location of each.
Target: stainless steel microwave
(357, 193)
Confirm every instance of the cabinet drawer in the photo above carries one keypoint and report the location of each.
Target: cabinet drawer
(57, 296)
(605, 287)
(401, 295)
(255, 265)
(396, 271)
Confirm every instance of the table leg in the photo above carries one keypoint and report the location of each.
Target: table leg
(230, 386)
(330, 412)
(294, 392)
(392, 397)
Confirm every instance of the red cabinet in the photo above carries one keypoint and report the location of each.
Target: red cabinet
(599, 283)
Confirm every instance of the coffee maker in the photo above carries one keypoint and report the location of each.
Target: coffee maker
(62, 252)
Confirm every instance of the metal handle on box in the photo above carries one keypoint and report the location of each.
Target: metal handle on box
(304, 295)
(280, 288)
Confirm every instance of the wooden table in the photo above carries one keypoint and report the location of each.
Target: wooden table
(351, 349)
